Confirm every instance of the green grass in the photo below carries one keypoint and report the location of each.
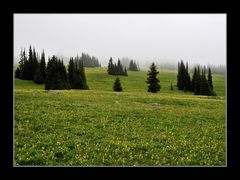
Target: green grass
(130, 128)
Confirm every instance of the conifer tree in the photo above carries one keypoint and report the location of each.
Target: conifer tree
(210, 78)
(152, 80)
(70, 71)
(117, 85)
(181, 77)
(116, 69)
(187, 79)
(133, 66)
(194, 81)
(125, 71)
(54, 75)
(17, 72)
(38, 79)
(20, 68)
(198, 80)
(213, 93)
(35, 61)
(30, 63)
(119, 70)
(204, 86)
(26, 70)
(76, 74)
(171, 87)
(110, 66)
(82, 74)
(43, 66)
(63, 74)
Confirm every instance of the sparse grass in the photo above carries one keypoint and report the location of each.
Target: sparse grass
(129, 128)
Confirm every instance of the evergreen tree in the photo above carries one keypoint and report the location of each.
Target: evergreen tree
(187, 79)
(30, 64)
(116, 69)
(133, 66)
(117, 85)
(119, 70)
(194, 81)
(38, 79)
(210, 78)
(204, 86)
(181, 77)
(76, 74)
(43, 66)
(198, 80)
(63, 74)
(26, 68)
(89, 61)
(54, 75)
(20, 68)
(35, 61)
(171, 87)
(154, 83)
(213, 93)
(70, 71)
(17, 72)
(82, 74)
(110, 66)
(125, 71)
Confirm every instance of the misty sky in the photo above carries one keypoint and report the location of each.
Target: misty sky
(196, 38)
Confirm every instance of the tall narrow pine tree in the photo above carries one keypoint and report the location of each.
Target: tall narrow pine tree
(43, 66)
(110, 66)
(70, 72)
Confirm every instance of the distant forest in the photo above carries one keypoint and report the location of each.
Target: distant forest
(216, 69)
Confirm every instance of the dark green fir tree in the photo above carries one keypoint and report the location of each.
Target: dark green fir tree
(152, 80)
(117, 85)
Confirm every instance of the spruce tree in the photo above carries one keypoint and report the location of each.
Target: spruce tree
(194, 81)
(82, 74)
(35, 61)
(117, 85)
(26, 68)
(38, 79)
(63, 74)
(119, 70)
(54, 78)
(43, 66)
(110, 66)
(76, 74)
(70, 72)
(181, 77)
(30, 64)
(213, 93)
(204, 86)
(133, 66)
(171, 87)
(125, 72)
(20, 68)
(198, 80)
(17, 72)
(51, 72)
(187, 79)
(210, 78)
(152, 80)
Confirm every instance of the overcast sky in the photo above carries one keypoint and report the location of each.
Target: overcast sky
(196, 38)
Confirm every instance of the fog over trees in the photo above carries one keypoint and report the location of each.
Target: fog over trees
(145, 38)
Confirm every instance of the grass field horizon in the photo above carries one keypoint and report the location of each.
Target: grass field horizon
(99, 127)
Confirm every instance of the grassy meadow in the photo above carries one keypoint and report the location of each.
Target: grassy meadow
(99, 127)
